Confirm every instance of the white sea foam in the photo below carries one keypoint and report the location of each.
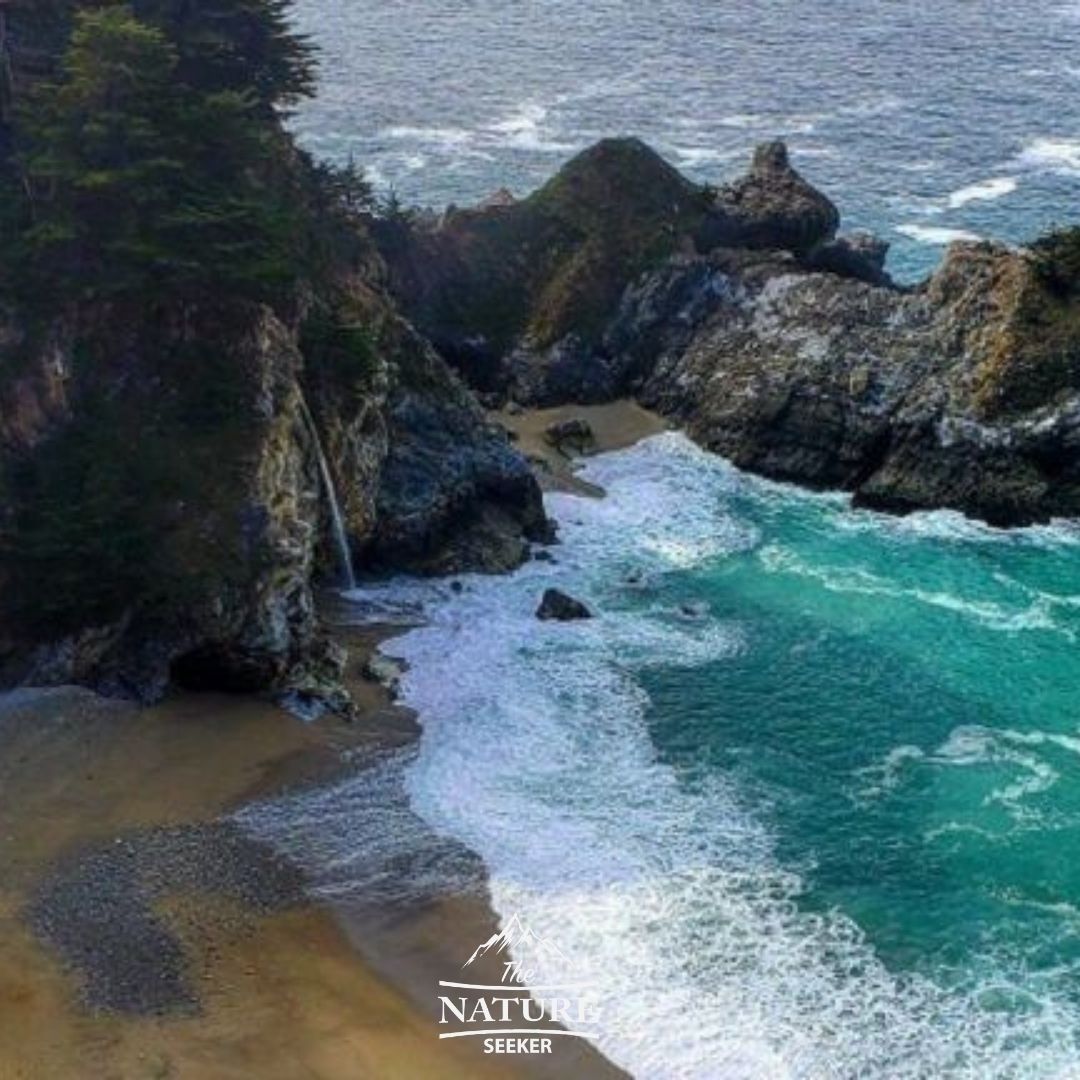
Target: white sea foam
(886, 775)
(1007, 751)
(536, 755)
(953, 527)
(1035, 615)
(527, 129)
(936, 235)
(984, 191)
(694, 157)
(1060, 156)
(446, 137)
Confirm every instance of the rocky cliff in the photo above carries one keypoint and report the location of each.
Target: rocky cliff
(178, 401)
(777, 342)
(164, 520)
(169, 441)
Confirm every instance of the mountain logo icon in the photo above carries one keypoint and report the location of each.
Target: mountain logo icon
(533, 1007)
(516, 936)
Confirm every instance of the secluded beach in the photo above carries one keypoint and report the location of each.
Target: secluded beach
(143, 935)
(615, 426)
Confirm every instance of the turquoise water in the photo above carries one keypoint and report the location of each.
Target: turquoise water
(803, 800)
(906, 717)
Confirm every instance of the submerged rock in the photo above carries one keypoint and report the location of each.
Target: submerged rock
(557, 605)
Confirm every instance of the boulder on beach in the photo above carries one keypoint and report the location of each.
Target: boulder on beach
(557, 605)
(384, 670)
(575, 435)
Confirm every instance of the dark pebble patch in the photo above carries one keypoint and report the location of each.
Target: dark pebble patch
(96, 908)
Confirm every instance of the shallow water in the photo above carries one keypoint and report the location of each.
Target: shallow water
(924, 121)
(802, 800)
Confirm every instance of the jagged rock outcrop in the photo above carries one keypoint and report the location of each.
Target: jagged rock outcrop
(859, 255)
(519, 297)
(829, 382)
(772, 206)
(786, 347)
(898, 396)
(540, 277)
(453, 494)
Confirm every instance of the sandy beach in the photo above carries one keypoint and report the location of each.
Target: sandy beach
(143, 935)
(614, 426)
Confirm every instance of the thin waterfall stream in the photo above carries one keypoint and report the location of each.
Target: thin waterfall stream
(337, 520)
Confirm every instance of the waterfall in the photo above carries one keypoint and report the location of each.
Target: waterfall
(337, 521)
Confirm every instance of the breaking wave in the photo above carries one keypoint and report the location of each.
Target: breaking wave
(536, 754)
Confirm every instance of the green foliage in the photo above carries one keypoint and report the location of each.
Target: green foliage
(244, 46)
(150, 175)
(345, 188)
(1057, 260)
(339, 349)
(154, 163)
(81, 542)
(136, 498)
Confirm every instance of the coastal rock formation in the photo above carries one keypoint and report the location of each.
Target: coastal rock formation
(570, 435)
(519, 296)
(208, 401)
(558, 606)
(163, 514)
(166, 464)
(545, 272)
(784, 346)
(859, 255)
(829, 382)
(772, 206)
(453, 493)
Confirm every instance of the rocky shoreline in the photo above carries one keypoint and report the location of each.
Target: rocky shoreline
(746, 318)
(739, 314)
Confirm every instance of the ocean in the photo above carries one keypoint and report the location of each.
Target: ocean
(924, 121)
(804, 797)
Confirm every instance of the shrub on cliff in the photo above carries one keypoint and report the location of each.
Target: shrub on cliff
(1057, 260)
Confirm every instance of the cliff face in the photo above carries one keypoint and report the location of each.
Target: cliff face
(519, 295)
(166, 430)
(164, 514)
(162, 510)
(805, 377)
(785, 347)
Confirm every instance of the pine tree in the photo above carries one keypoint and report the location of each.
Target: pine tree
(246, 46)
(148, 170)
(100, 160)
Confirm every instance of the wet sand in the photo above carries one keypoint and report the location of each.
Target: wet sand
(116, 869)
(615, 426)
(144, 935)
